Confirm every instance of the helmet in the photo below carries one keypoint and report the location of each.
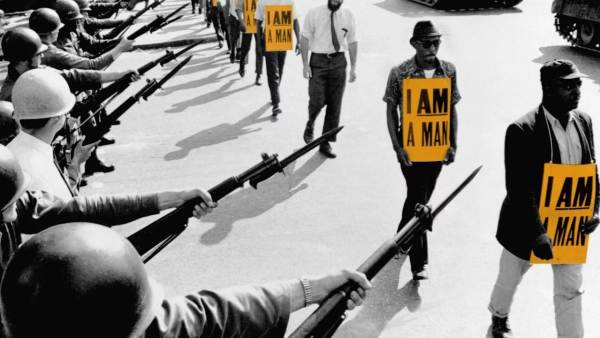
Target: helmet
(21, 44)
(75, 280)
(44, 21)
(12, 178)
(67, 10)
(84, 5)
(41, 93)
(9, 128)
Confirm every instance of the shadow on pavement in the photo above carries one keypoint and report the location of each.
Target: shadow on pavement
(218, 134)
(413, 10)
(217, 94)
(212, 78)
(250, 203)
(586, 61)
(383, 302)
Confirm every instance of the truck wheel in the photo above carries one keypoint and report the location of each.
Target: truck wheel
(587, 33)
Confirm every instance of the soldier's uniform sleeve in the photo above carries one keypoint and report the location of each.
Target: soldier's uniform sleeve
(236, 312)
(103, 9)
(37, 210)
(96, 46)
(60, 59)
(80, 80)
(95, 23)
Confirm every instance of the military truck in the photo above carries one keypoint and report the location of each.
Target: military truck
(578, 21)
(455, 4)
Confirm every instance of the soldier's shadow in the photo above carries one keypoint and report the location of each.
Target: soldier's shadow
(219, 93)
(383, 302)
(250, 203)
(218, 134)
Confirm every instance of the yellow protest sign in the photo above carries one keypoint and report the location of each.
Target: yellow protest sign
(278, 27)
(566, 203)
(249, 11)
(426, 106)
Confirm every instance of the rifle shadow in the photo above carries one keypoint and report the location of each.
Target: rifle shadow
(383, 302)
(223, 132)
(249, 203)
(217, 94)
(199, 65)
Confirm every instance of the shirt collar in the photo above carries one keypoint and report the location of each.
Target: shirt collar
(415, 69)
(35, 144)
(554, 121)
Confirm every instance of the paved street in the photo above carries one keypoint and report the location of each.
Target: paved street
(208, 124)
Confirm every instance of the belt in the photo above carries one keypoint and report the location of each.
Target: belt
(329, 55)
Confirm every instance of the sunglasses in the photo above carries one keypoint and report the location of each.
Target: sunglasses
(429, 43)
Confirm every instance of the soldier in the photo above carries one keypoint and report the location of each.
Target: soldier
(275, 60)
(42, 100)
(27, 211)
(46, 23)
(326, 70)
(92, 25)
(103, 290)
(23, 49)
(554, 132)
(72, 36)
(420, 176)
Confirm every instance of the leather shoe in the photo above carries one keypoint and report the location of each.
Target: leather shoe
(116, 122)
(421, 274)
(277, 110)
(106, 141)
(308, 134)
(258, 82)
(95, 165)
(242, 72)
(327, 152)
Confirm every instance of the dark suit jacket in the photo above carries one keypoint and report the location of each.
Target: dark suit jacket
(530, 142)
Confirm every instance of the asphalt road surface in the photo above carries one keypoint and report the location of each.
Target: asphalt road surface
(208, 124)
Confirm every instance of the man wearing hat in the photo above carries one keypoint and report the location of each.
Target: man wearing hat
(420, 176)
(554, 132)
(329, 31)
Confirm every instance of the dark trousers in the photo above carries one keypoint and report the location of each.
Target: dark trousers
(275, 63)
(246, 42)
(196, 3)
(420, 182)
(218, 21)
(326, 87)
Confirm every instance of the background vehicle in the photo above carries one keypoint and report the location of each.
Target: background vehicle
(578, 21)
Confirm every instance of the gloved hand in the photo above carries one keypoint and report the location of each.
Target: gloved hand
(423, 211)
(591, 225)
(543, 247)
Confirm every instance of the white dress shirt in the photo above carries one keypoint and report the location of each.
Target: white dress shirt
(568, 139)
(260, 8)
(36, 158)
(317, 29)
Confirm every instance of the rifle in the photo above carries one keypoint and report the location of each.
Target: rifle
(151, 239)
(331, 312)
(103, 127)
(157, 23)
(113, 33)
(94, 102)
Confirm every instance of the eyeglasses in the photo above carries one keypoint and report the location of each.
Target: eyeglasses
(429, 43)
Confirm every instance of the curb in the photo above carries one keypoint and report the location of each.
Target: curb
(175, 43)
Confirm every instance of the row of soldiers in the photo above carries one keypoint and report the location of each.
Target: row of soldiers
(68, 40)
(90, 281)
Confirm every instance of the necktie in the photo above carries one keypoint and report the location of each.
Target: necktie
(334, 38)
